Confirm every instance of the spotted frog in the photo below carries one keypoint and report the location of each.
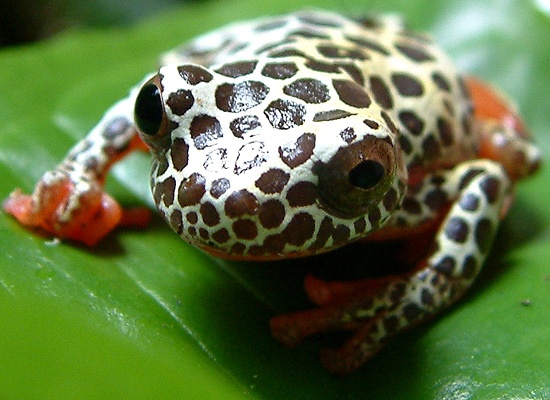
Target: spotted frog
(296, 135)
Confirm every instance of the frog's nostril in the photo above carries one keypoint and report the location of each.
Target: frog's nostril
(367, 174)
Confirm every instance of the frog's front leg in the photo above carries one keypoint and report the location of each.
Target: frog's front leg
(69, 201)
(477, 191)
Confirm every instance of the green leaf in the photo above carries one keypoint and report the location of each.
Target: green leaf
(145, 315)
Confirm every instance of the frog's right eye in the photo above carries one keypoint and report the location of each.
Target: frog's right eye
(149, 110)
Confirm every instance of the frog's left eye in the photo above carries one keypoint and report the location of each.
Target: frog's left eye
(149, 111)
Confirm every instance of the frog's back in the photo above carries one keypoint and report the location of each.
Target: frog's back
(408, 77)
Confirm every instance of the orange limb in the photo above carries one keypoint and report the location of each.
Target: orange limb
(58, 209)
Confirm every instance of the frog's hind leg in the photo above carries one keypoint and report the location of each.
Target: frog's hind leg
(503, 136)
(479, 189)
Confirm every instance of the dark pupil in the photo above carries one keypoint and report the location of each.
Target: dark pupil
(366, 174)
(148, 110)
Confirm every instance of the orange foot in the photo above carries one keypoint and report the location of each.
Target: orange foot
(78, 211)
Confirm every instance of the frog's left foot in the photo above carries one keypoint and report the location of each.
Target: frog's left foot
(374, 311)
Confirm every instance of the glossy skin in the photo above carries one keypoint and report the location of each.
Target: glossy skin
(296, 135)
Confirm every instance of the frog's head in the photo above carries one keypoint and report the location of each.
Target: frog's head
(252, 164)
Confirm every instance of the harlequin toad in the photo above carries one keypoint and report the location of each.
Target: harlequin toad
(296, 135)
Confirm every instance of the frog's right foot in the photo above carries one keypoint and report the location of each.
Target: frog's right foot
(79, 211)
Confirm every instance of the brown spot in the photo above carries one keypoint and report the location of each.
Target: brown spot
(330, 51)
(271, 214)
(302, 193)
(411, 206)
(470, 175)
(446, 132)
(204, 234)
(374, 217)
(181, 101)
(283, 70)
(354, 72)
(272, 181)
(371, 124)
(285, 114)
(274, 244)
(287, 52)
(164, 191)
(469, 202)
(319, 20)
(441, 82)
(414, 53)
(192, 217)
(381, 92)
(179, 154)
(321, 66)
(469, 267)
(299, 229)
(219, 187)
(435, 199)
(176, 221)
(244, 124)
(241, 203)
(390, 199)
(209, 214)
(193, 74)
(116, 127)
(426, 297)
(484, 234)
(192, 231)
(407, 85)
(413, 123)
(324, 233)
(446, 266)
(457, 230)
(369, 44)
(389, 122)
(238, 248)
(241, 96)
(245, 229)
(360, 225)
(309, 90)
(237, 69)
(348, 135)
(191, 190)
(340, 235)
(221, 236)
(412, 312)
(308, 33)
(351, 93)
(431, 147)
(491, 188)
(331, 115)
(295, 154)
(205, 130)
(270, 25)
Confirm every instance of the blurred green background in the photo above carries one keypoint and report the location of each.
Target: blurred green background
(146, 316)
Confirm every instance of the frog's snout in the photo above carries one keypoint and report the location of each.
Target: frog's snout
(358, 176)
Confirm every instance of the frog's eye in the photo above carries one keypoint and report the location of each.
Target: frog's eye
(149, 111)
(357, 177)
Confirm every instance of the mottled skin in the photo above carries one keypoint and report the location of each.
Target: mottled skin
(296, 135)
